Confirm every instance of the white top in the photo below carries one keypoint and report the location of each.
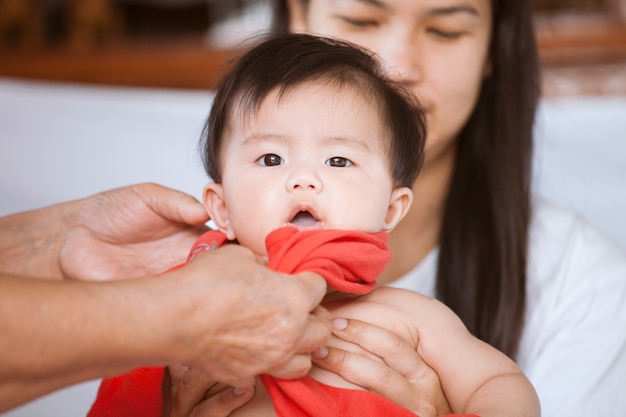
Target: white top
(573, 347)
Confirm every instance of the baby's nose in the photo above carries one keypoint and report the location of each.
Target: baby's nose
(304, 181)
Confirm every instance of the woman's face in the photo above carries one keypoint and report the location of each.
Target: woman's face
(438, 49)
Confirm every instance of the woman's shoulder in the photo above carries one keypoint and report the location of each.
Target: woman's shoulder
(556, 231)
(566, 250)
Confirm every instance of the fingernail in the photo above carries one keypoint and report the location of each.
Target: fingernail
(239, 391)
(320, 353)
(340, 324)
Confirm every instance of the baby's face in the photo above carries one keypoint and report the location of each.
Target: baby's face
(313, 159)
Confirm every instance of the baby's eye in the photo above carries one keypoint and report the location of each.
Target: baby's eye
(270, 160)
(339, 162)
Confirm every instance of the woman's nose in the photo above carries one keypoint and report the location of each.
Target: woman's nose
(304, 180)
(401, 59)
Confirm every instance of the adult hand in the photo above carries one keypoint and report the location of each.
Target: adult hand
(403, 377)
(134, 231)
(194, 394)
(223, 313)
(261, 323)
(244, 319)
(139, 230)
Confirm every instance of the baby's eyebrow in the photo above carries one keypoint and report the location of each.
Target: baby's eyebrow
(346, 140)
(261, 137)
(257, 137)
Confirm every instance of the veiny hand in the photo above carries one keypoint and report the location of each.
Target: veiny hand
(194, 394)
(403, 377)
(134, 231)
(242, 319)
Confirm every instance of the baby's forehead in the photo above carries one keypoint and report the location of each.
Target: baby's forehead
(247, 104)
(326, 114)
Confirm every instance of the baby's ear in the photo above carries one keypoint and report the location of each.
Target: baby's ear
(399, 203)
(215, 205)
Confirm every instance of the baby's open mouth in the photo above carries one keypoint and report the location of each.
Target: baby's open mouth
(303, 218)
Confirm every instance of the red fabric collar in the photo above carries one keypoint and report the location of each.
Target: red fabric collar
(350, 261)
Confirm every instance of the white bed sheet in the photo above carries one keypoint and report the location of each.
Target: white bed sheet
(65, 141)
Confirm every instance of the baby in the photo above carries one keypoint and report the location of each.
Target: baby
(313, 153)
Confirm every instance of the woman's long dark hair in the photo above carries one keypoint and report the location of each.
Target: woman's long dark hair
(484, 234)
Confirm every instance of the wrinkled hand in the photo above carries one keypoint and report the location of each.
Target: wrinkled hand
(242, 319)
(402, 377)
(134, 231)
(195, 394)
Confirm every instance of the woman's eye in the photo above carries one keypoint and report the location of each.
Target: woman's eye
(445, 34)
(359, 23)
(270, 160)
(338, 162)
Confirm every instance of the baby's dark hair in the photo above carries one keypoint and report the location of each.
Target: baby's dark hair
(287, 61)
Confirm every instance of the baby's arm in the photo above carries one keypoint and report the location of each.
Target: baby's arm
(476, 378)
(504, 394)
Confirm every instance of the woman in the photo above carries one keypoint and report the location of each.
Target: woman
(531, 279)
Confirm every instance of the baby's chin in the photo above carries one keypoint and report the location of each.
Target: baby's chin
(304, 228)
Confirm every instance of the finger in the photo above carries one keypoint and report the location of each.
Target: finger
(298, 366)
(216, 389)
(316, 335)
(172, 204)
(224, 402)
(315, 286)
(366, 372)
(424, 399)
(237, 381)
(261, 259)
(188, 389)
(393, 369)
(391, 348)
(317, 332)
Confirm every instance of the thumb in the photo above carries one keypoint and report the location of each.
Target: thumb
(314, 285)
(171, 204)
